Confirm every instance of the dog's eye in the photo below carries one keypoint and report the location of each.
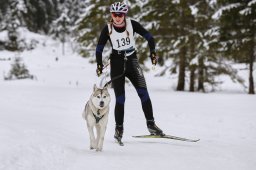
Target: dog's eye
(104, 97)
(98, 97)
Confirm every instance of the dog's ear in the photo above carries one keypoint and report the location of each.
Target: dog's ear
(95, 87)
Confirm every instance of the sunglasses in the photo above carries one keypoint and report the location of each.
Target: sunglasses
(120, 15)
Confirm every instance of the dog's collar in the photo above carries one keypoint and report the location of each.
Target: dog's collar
(96, 117)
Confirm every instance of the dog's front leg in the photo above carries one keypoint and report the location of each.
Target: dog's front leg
(100, 138)
(92, 137)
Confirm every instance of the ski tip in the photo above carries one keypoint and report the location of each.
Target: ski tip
(193, 140)
(196, 140)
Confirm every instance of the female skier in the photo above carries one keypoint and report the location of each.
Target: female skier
(123, 60)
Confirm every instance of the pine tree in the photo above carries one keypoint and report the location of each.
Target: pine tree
(159, 17)
(248, 14)
(238, 25)
(18, 70)
(35, 16)
(202, 40)
(169, 21)
(40, 14)
(91, 24)
(13, 21)
(3, 11)
(62, 29)
(185, 20)
(74, 8)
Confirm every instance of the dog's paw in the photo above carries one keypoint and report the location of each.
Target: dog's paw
(99, 149)
(93, 146)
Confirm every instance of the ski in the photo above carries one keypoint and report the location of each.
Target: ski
(167, 137)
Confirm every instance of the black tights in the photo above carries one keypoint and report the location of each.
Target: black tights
(134, 73)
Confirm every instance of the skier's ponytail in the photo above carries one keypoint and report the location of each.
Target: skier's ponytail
(127, 33)
(111, 25)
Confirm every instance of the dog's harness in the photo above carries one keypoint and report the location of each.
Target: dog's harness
(96, 117)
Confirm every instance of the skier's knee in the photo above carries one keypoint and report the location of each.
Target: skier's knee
(143, 94)
(120, 99)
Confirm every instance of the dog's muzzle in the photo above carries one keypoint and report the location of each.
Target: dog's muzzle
(101, 104)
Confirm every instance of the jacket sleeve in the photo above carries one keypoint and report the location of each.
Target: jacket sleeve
(138, 28)
(104, 36)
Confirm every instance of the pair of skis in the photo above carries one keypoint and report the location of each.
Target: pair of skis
(161, 137)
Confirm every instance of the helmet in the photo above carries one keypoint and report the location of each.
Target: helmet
(119, 7)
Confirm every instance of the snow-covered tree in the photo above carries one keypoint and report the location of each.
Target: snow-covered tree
(74, 9)
(90, 25)
(35, 16)
(202, 42)
(186, 33)
(62, 29)
(13, 21)
(159, 17)
(238, 27)
(170, 23)
(3, 11)
(40, 14)
(18, 70)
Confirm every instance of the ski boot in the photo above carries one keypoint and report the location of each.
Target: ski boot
(153, 129)
(119, 134)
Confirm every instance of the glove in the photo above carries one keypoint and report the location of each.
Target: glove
(99, 69)
(154, 58)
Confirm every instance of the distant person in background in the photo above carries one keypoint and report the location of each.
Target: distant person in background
(120, 32)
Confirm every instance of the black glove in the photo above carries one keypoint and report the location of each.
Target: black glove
(154, 58)
(99, 69)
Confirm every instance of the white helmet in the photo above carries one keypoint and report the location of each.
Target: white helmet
(119, 7)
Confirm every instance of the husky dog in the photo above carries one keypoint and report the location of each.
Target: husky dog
(96, 115)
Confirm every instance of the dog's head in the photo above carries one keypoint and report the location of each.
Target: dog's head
(100, 97)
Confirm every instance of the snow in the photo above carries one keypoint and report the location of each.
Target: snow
(212, 32)
(194, 9)
(41, 126)
(29, 37)
(176, 1)
(246, 11)
(212, 2)
(3, 36)
(252, 2)
(229, 7)
(21, 6)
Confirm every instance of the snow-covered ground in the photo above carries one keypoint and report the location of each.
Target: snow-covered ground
(41, 127)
